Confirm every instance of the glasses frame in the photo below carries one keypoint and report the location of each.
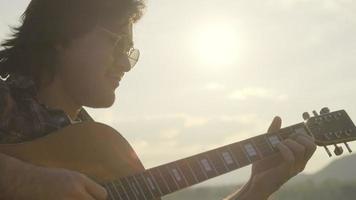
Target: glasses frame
(132, 53)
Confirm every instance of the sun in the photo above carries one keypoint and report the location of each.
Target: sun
(216, 45)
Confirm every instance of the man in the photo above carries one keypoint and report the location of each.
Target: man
(72, 53)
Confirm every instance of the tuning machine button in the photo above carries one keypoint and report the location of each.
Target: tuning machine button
(348, 132)
(338, 150)
(315, 113)
(324, 111)
(338, 134)
(306, 116)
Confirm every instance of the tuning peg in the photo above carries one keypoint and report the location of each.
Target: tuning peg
(338, 150)
(328, 151)
(324, 110)
(315, 113)
(348, 132)
(306, 116)
(348, 147)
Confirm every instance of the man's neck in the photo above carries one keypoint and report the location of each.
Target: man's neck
(55, 96)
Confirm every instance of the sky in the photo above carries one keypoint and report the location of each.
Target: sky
(215, 72)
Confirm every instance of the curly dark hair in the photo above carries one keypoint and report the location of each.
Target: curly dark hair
(30, 50)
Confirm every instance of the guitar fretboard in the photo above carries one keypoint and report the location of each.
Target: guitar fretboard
(168, 178)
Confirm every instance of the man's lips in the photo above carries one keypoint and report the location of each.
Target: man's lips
(115, 77)
(114, 80)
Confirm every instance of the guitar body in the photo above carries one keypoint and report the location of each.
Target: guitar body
(91, 148)
(102, 154)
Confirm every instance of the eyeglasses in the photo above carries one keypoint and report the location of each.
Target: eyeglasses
(123, 47)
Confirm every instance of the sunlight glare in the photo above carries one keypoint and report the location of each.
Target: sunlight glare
(216, 45)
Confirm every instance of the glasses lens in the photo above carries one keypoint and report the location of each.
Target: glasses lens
(133, 56)
(124, 50)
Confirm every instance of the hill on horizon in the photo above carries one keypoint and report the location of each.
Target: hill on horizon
(342, 169)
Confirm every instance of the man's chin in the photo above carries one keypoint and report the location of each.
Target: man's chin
(102, 102)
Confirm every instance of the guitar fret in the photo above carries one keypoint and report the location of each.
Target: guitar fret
(177, 175)
(189, 173)
(229, 151)
(256, 148)
(121, 190)
(264, 146)
(217, 162)
(110, 192)
(130, 193)
(240, 155)
(223, 161)
(164, 180)
(228, 159)
(301, 130)
(212, 163)
(138, 188)
(268, 143)
(181, 172)
(133, 188)
(144, 187)
(160, 181)
(207, 167)
(250, 151)
(243, 150)
(153, 185)
(172, 176)
(116, 193)
(197, 170)
(168, 178)
(284, 133)
(274, 140)
(280, 137)
(202, 169)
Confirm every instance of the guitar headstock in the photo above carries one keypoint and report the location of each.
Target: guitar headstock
(331, 128)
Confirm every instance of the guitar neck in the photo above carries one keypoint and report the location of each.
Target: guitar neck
(168, 178)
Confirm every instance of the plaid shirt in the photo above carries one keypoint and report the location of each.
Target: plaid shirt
(23, 118)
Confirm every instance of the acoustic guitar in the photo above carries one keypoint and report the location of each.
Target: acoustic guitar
(101, 153)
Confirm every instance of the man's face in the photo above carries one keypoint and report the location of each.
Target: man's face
(89, 71)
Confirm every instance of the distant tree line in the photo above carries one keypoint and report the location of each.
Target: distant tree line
(307, 190)
(327, 190)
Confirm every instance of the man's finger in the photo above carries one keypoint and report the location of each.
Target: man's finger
(96, 190)
(288, 158)
(308, 144)
(297, 149)
(87, 196)
(275, 125)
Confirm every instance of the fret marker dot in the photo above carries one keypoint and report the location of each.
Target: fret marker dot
(227, 158)
(206, 164)
(250, 150)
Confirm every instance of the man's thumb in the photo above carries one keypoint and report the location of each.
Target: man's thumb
(275, 125)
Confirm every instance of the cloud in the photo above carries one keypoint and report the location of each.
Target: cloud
(169, 133)
(187, 120)
(241, 119)
(325, 5)
(214, 86)
(257, 92)
(191, 121)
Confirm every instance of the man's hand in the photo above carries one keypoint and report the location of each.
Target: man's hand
(23, 181)
(270, 174)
